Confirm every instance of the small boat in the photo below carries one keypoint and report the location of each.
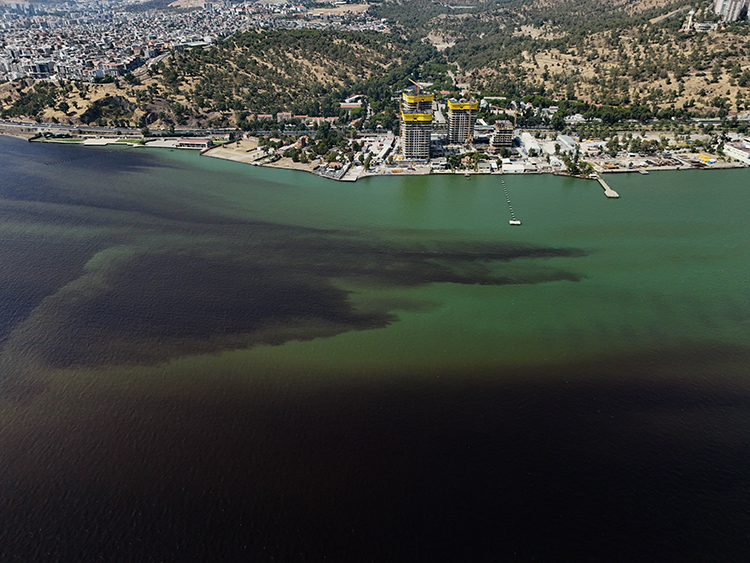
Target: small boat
(467, 175)
(514, 222)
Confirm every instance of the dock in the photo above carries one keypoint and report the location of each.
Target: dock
(513, 221)
(609, 192)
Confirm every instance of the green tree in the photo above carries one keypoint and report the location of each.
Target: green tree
(613, 145)
(454, 161)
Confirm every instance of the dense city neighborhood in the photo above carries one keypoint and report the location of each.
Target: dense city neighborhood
(95, 40)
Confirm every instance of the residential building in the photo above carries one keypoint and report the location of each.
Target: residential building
(74, 34)
(502, 136)
(353, 102)
(731, 10)
(416, 125)
(738, 151)
(462, 115)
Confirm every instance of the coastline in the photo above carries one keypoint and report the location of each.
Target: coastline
(353, 172)
(12, 132)
(405, 169)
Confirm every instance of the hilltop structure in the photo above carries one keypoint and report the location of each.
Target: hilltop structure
(462, 114)
(416, 125)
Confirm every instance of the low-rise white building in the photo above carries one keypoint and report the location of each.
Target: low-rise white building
(738, 151)
(194, 144)
(567, 143)
(514, 168)
(529, 144)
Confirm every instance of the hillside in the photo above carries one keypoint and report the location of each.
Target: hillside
(627, 54)
(299, 71)
(654, 66)
(269, 71)
(619, 52)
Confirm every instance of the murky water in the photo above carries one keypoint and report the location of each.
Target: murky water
(207, 361)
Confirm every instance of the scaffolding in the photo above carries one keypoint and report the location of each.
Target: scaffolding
(416, 125)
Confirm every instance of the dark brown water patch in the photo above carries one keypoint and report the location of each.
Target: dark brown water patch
(154, 306)
(33, 268)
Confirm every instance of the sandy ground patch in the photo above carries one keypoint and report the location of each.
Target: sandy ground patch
(242, 146)
(439, 42)
(187, 4)
(289, 164)
(352, 8)
(235, 155)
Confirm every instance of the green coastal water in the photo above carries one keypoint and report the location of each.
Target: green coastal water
(665, 265)
(212, 361)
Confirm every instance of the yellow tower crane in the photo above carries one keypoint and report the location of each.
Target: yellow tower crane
(415, 84)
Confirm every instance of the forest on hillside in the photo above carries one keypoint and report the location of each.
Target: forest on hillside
(614, 52)
(304, 72)
(626, 56)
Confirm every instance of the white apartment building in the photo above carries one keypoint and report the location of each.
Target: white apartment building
(731, 10)
(738, 151)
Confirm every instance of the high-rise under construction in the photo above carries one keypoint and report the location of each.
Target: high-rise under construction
(462, 114)
(416, 125)
(732, 10)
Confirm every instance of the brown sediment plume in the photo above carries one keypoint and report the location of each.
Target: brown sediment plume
(141, 305)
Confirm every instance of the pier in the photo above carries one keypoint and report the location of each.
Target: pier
(609, 192)
(513, 220)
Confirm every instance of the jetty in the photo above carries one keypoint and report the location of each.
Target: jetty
(513, 221)
(609, 192)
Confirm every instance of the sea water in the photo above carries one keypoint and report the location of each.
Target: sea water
(207, 361)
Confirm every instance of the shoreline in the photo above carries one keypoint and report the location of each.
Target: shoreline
(27, 136)
(357, 172)
(352, 173)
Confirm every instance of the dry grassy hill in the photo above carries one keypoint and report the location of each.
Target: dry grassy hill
(610, 52)
(617, 52)
(706, 71)
(303, 72)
